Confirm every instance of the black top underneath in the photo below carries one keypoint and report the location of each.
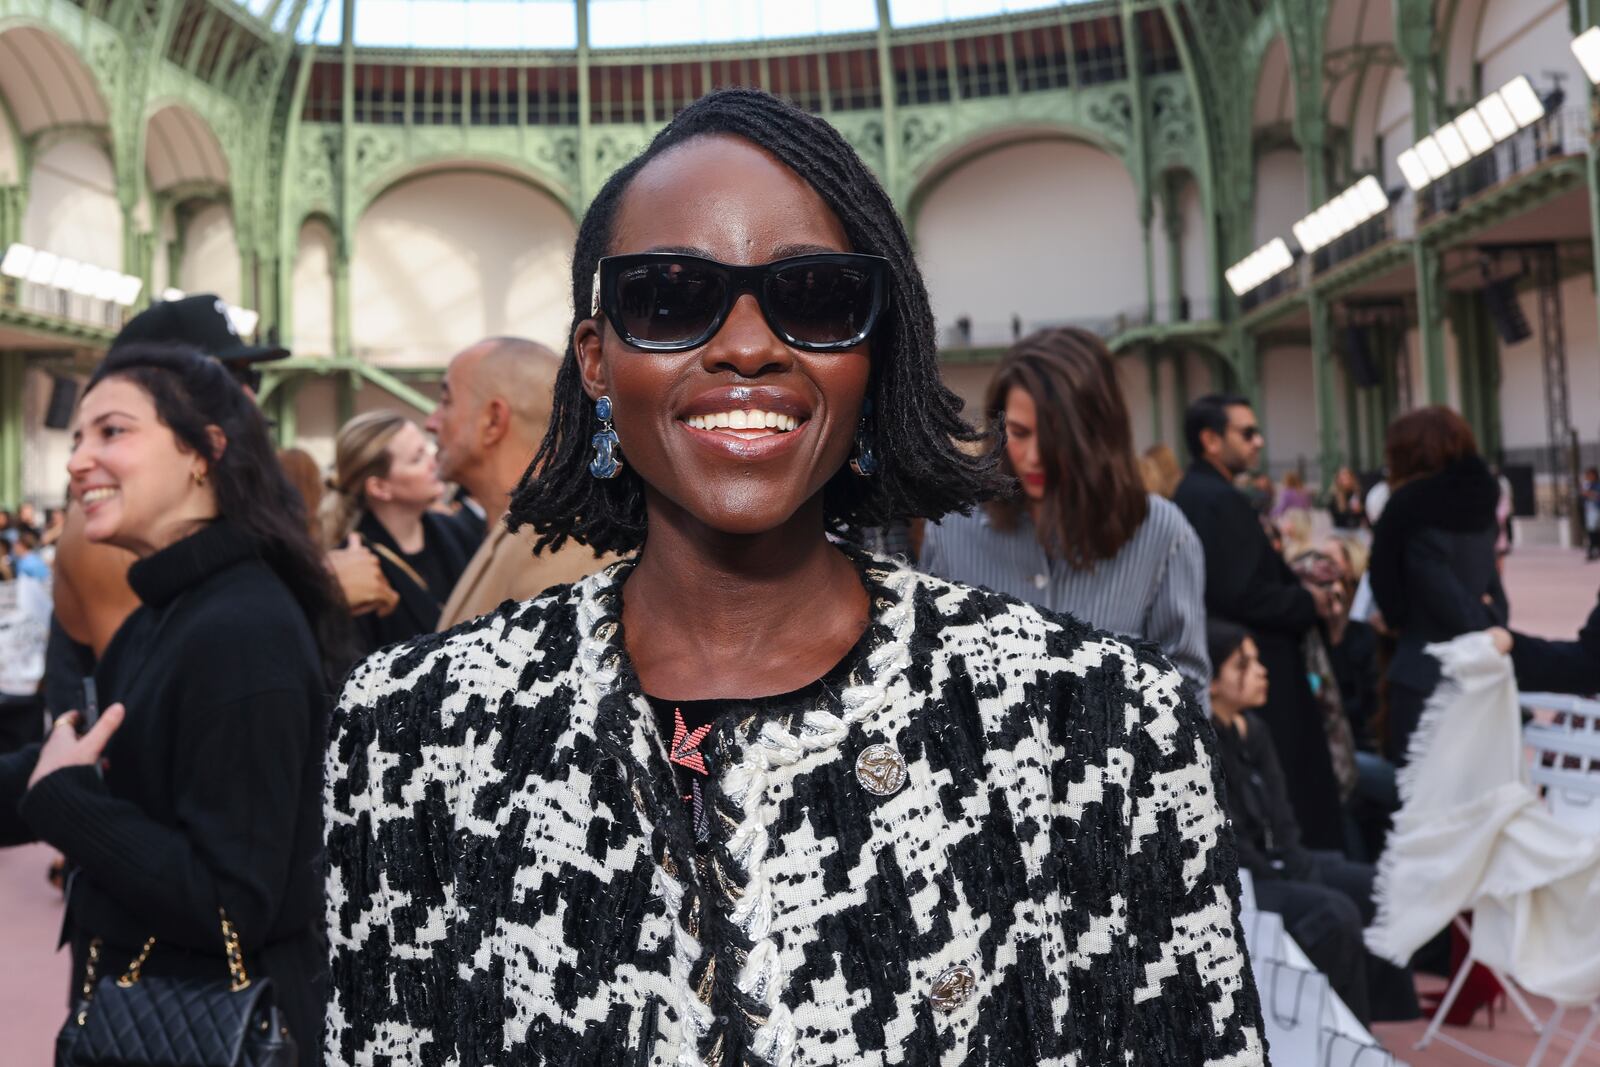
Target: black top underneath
(447, 547)
(1264, 827)
(683, 726)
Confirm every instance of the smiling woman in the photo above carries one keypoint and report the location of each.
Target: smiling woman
(751, 795)
(217, 696)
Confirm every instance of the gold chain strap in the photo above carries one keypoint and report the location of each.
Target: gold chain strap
(131, 975)
(230, 944)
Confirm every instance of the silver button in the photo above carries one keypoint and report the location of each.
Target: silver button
(881, 770)
(953, 988)
(1041, 580)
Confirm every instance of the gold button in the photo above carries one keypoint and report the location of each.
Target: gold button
(953, 988)
(881, 770)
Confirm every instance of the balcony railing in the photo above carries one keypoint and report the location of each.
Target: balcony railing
(995, 333)
(1563, 132)
(63, 306)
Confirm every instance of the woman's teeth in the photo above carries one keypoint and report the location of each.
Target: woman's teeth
(94, 496)
(744, 420)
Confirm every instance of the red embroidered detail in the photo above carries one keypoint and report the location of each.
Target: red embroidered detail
(686, 745)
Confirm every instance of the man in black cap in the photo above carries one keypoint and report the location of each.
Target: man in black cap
(92, 597)
(202, 322)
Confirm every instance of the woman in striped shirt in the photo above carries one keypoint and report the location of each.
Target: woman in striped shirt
(1081, 535)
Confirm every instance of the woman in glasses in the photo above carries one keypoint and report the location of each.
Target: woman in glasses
(1081, 535)
(751, 796)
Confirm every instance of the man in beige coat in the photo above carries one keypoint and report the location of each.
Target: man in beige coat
(493, 410)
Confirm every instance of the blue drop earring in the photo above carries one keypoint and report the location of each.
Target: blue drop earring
(865, 461)
(606, 462)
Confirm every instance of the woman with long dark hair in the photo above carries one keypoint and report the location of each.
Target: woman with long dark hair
(1433, 568)
(218, 687)
(752, 796)
(1083, 534)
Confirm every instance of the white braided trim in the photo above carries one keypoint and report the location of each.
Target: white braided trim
(599, 676)
(763, 977)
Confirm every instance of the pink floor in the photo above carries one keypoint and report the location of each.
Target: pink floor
(1551, 591)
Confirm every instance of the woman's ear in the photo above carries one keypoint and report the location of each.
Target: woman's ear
(586, 348)
(219, 444)
(376, 488)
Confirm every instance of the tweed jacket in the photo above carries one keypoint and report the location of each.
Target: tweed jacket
(1035, 869)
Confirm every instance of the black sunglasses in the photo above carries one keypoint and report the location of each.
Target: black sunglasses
(670, 302)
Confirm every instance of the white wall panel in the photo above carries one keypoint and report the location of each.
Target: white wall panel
(1280, 194)
(1048, 230)
(1289, 407)
(1528, 37)
(313, 291)
(72, 204)
(444, 260)
(211, 262)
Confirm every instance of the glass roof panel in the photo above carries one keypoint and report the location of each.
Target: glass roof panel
(508, 25)
(642, 23)
(502, 25)
(922, 12)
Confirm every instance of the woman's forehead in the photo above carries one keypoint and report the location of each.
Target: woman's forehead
(726, 197)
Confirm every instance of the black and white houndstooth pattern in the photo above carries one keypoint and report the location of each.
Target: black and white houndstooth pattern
(512, 878)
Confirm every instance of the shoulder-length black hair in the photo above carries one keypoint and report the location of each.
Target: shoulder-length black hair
(192, 392)
(917, 425)
(1097, 498)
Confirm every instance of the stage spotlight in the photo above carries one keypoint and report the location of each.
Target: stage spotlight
(1586, 46)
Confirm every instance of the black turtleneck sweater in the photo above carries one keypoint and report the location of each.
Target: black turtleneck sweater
(210, 794)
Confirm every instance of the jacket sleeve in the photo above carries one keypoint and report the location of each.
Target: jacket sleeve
(238, 768)
(15, 770)
(1236, 562)
(390, 893)
(1177, 617)
(1193, 998)
(1559, 666)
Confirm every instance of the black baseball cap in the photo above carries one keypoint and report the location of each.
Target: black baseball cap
(201, 321)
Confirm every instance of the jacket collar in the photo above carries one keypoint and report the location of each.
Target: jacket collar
(625, 724)
(160, 578)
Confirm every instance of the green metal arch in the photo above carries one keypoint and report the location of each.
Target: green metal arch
(982, 142)
(16, 22)
(416, 167)
(157, 104)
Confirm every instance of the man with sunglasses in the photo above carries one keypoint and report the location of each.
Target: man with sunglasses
(1250, 584)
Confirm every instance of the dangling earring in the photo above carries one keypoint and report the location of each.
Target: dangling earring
(865, 461)
(606, 463)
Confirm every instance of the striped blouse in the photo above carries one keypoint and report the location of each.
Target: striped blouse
(1153, 589)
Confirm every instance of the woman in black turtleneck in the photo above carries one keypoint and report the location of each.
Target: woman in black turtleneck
(1434, 571)
(217, 691)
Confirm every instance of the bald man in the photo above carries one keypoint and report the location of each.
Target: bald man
(493, 409)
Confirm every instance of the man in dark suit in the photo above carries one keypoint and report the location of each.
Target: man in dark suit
(1250, 584)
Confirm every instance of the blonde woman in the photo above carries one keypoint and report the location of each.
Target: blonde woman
(386, 481)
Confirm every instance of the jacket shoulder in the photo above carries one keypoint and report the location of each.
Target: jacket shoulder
(504, 649)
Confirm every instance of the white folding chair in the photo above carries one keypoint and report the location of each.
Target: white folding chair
(1566, 762)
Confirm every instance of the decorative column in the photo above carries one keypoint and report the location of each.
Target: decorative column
(13, 375)
(586, 177)
(1413, 20)
(343, 348)
(1322, 356)
(892, 178)
(13, 201)
(1430, 321)
(1152, 363)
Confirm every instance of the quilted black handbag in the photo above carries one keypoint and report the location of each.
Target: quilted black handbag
(175, 1022)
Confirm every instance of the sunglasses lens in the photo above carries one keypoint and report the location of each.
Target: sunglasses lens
(669, 302)
(822, 303)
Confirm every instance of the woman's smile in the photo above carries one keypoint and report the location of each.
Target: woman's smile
(747, 422)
